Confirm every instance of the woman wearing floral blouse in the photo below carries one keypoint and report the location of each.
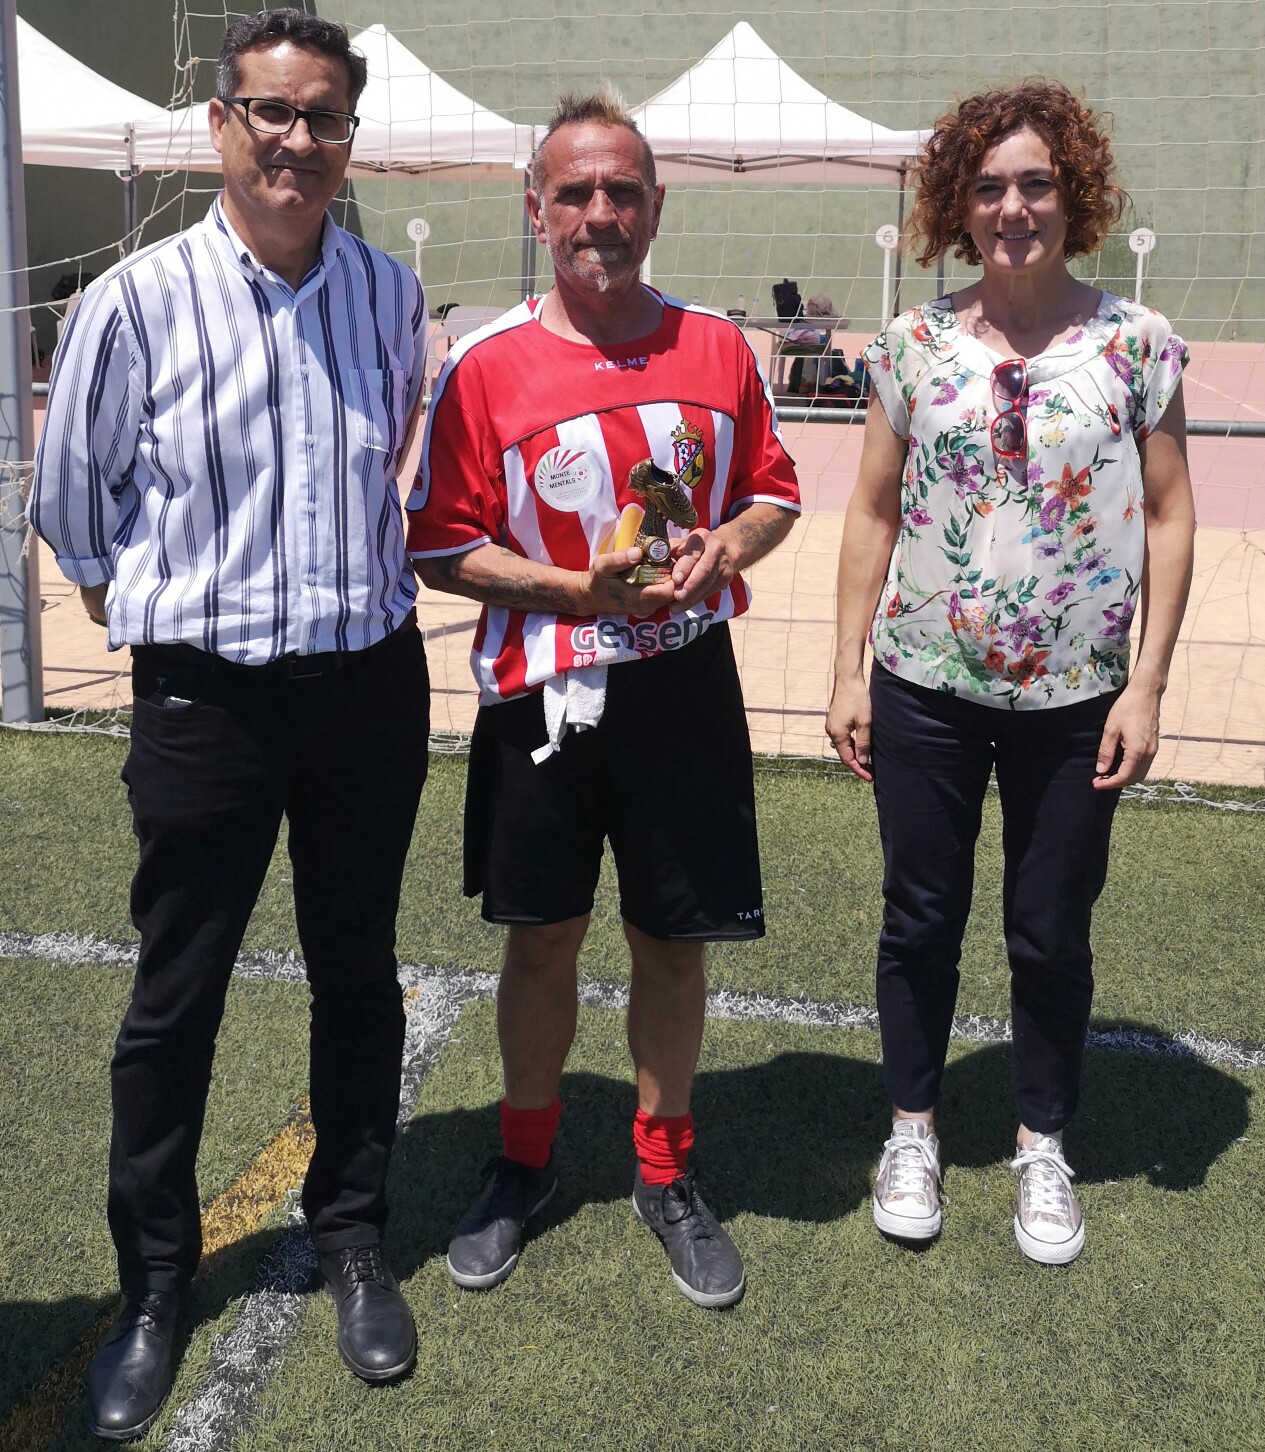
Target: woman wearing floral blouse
(1023, 491)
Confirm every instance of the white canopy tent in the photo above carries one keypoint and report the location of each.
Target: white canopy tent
(415, 122)
(177, 140)
(70, 115)
(412, 122)
(742, 111)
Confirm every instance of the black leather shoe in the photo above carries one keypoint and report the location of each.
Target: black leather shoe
(130, 1376)
(376, 1338)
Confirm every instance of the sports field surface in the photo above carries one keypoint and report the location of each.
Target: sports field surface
(1153, 1339)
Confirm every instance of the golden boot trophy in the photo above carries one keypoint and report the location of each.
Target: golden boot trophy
(647, 529)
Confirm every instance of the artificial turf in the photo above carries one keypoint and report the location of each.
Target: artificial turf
(1177, 931)
(57, 1266)
(843, 1340)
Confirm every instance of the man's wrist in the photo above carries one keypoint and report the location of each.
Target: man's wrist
(93, 598)
(581, 590)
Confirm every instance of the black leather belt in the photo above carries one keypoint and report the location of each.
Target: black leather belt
(293, 666)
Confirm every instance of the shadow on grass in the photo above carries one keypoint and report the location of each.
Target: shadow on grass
(1166, 1119)
(798, 1137)
(794, 1138)
(811, 1167)
(57, 1339)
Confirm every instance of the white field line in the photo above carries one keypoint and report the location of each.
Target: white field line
(461, 984)
(244, 1358)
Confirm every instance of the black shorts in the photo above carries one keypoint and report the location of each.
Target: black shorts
(665, 775)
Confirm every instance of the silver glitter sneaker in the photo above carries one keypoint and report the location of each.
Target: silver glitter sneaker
(1049, 1225)
(906, 1198)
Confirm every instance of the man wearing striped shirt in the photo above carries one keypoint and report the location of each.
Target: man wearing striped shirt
(608, 709)
(218, 474)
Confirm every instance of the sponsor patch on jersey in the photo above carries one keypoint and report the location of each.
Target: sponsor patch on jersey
(609, 638)
(567, 479)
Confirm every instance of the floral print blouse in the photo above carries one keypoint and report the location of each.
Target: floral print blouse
(1014, 582)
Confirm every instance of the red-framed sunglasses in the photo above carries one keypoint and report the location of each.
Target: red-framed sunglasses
(1009, 431)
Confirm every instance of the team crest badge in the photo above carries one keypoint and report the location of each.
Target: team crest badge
(688, 458)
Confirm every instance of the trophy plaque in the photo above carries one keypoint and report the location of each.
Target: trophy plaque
(667, 502)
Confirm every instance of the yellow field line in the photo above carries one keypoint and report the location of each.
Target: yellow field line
(280, 1165)
(40, 1417)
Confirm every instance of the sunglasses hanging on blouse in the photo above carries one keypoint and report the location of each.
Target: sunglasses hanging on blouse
(1009, 431)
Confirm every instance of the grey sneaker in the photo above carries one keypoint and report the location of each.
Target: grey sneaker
(906, 1200)
(705, 1263)
(1049, 1225)
(484, 1247)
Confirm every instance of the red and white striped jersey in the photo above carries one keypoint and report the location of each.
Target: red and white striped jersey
(529, 441)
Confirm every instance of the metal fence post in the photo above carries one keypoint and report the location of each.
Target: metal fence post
(21, 664)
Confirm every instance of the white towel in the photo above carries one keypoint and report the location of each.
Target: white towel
(576, 698)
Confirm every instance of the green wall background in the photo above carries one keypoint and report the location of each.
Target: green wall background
(1184, 81)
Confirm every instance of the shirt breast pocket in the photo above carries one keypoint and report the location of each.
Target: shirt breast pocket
(375, 406)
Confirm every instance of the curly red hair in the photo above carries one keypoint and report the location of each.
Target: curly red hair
(1079, 152)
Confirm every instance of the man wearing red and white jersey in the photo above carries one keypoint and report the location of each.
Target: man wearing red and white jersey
(530, 444)
(609, 710)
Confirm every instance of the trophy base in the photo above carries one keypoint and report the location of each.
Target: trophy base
(648, 574)
(656, 561)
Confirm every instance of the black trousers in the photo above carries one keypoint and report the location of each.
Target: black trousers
(219, 753)
(933, 753)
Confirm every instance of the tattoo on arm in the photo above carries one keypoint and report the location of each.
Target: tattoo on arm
(497, 576)
(445, 566)
(759, 534)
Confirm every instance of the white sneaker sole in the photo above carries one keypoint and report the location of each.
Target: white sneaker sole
(711, 1301)
(484, 1282)
(1061, 1253)
(905, 1227)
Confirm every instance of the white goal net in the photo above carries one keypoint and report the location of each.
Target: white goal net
(1183, 82)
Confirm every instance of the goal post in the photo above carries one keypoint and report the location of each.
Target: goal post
(21, 664)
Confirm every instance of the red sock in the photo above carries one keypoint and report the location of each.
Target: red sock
(663, 1145)
(527, 1134)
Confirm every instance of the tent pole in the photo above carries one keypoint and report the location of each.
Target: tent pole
(128, 177)
(900, 227)
(527, 280)
(21, 660)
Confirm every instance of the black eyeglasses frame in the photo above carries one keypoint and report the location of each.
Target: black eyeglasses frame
(300, 114)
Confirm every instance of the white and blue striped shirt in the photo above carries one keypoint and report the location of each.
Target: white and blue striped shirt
(223, 448)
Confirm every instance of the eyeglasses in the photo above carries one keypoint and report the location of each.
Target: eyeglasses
(1009, 431)
(276, 118)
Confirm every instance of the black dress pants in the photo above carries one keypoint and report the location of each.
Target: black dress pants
(219, 754)
(933, 753)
